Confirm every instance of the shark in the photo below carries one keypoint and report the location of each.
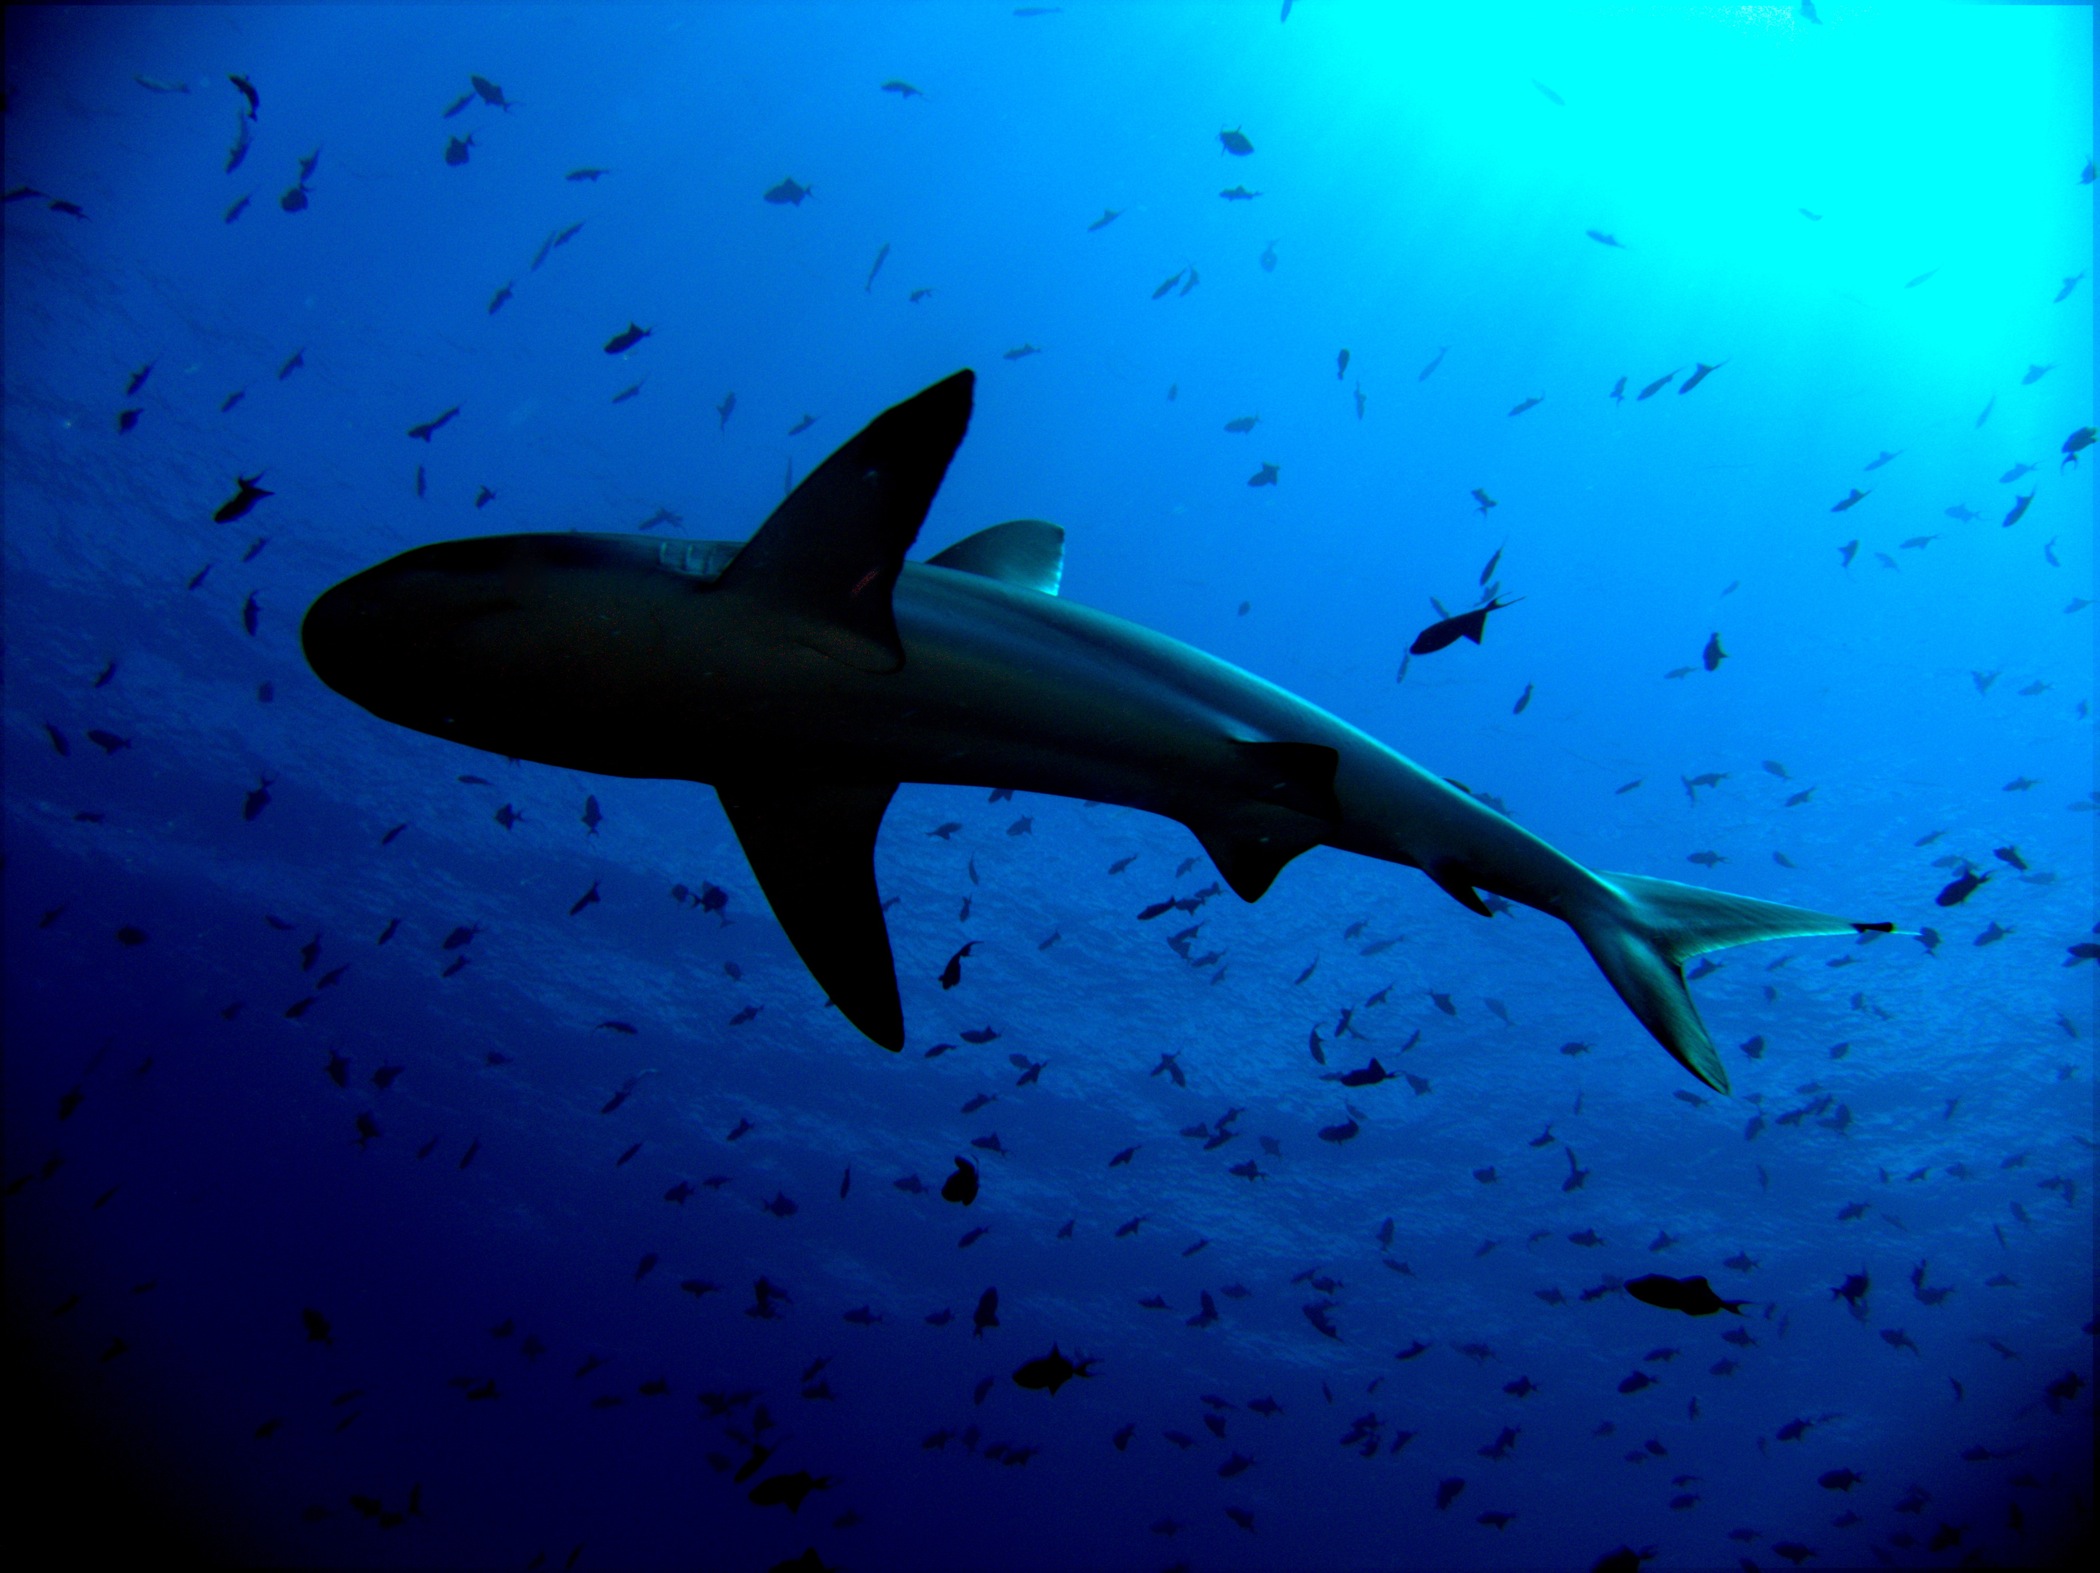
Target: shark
(809, 671)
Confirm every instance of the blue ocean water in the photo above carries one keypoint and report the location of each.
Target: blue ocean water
(367, 1205)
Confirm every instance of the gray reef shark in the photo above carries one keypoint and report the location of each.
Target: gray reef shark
(808, 672)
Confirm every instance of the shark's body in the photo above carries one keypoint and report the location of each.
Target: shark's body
(807, 673)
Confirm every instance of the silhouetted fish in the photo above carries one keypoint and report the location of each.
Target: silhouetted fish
(1466, 625)
(1692, 1296)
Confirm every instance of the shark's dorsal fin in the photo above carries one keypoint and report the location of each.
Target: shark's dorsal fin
(830, 554)
(1025, 552)
(812, 849)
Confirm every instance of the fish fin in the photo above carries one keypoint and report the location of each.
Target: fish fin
(1643, 932)
(1289, 805)
(830, 554)
(1252, 842)
(1025, 552)
(1451, 880)
(812, 849)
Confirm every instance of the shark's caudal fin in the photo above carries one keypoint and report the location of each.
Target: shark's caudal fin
(1642, 931)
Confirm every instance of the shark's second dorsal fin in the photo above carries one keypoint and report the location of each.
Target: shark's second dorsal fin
(1025, 552)
(829, 556)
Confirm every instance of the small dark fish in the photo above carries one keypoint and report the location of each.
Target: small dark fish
(1466, 625)
(1551, 97)
(1699, 375)
(902, 89)
(987, 1312)
(788, 1491)
(1605, 238)
(1529, 403)
(126, 420)
(587, 173)
(1961, 888)
(1713, 655)
(496, 301)
(1022, 352)
(724, 410)
(1852, 501)
(456, 149)
(1235, 143)
(626, 339)
(1692, 1296)
(430, 428)
(2019, 509)
(961, 1186)
(243, 499)
(1239, 194)
(1618, 392)
(1656, 386)
(1047, 1373)
(491, 94)
(2075, 444)
(788, 193)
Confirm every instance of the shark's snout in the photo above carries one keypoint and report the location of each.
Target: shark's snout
(385, 637)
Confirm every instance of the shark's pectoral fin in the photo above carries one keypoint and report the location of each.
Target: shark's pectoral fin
(1289, 808)
(812, 849)
(1029, 553)
(830, 554)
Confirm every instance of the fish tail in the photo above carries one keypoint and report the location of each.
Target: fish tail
(1641, 931)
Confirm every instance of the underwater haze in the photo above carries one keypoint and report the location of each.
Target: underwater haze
(416, 1157)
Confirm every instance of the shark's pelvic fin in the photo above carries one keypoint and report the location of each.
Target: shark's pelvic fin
(1642, 931)
(1289, 808)
(813, 851)
(829, 556)
(1029, 553)
(1451, 879)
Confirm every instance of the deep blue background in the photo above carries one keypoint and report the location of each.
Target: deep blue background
(1420, 192)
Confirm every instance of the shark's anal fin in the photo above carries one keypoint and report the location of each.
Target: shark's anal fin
(812, 849)
(830, 554)
(1029, 553)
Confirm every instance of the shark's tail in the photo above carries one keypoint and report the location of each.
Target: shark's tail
(1642, 931)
